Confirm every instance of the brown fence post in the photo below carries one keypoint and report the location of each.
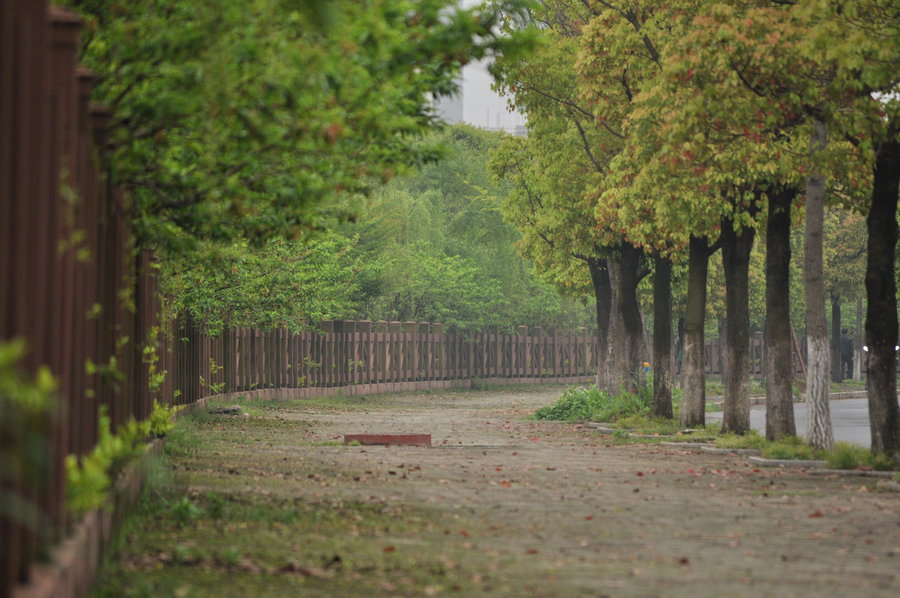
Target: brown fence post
(364, 355)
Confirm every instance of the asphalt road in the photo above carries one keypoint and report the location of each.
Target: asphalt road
(849, 419)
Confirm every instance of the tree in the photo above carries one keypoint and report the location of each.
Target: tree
(832, 63)
(844, 262)
(447, 218)
(550, 173)
(248, 119)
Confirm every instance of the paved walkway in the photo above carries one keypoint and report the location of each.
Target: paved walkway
(849, 420)
(500, 506)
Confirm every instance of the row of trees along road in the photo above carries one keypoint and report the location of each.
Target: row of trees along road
(663, 132)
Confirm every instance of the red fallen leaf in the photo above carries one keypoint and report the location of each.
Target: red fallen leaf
(531, 551)
(589, 517)
(388, 549)
(515, 452)
(684, 560)
(816, 514)
(505, 484)
(640, 474)
(535, 439)
(499, 469)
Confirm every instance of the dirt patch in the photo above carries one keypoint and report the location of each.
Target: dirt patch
(500, 505)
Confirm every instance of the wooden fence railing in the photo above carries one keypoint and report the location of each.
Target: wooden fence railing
(368, 354)
(71, 284)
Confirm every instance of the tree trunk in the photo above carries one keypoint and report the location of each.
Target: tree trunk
(881, 312)
(723, 342)
(856, 374)
(615, 356)
(818, 423)
(625, 320)
(837, 354)
(662, 337)
(693, 408)
(602, 298)
(736, 260)
(779, 366)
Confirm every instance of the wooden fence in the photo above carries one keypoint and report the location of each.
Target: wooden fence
(369, 356)
(71, 284)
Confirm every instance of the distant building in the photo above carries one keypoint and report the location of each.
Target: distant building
(450, 108)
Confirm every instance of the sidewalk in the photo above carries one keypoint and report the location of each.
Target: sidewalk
(273, 505)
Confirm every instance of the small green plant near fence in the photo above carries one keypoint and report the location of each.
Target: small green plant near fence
(90, 477)
(213, 370)
(27, 406)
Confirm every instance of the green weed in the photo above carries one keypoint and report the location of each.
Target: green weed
(791, 447)
(590, 404)
(750, 440)
(852, 456)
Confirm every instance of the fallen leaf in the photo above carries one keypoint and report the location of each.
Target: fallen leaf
(816, 514)
(388, 549)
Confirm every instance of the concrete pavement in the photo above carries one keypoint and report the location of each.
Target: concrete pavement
(849, 419)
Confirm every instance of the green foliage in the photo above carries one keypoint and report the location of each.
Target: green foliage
(161, 419)
(150, 357)
(845, 455)
(27, 407)
(237, 119)
(430, 246)
(89, 477)
(184, 510)
(579, 403)
(644, 424)
(87, 483)
(750, 440)
(280, 283)
(791, 447)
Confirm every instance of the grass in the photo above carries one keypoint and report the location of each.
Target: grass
(224, 518)
(843, 456)
(793, 448)
(852, 456)
(750, 440)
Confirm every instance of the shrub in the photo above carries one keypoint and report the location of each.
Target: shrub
(852, 456)
(791, 447)
(592, 404)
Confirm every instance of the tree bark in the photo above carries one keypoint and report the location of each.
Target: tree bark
(881, 291)
(818, 423)
(626, 329)
(662, 337)
(736, 249)
(837, 354)
(693, 407)
(602, 298)
(856, 374)
(779, 366)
